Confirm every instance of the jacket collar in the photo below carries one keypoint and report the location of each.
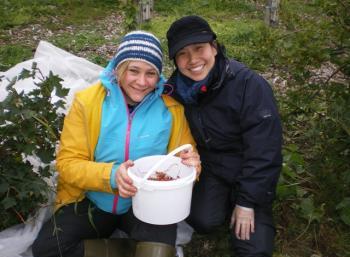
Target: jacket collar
(221, 73)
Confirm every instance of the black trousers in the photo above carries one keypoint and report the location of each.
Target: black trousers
(212, 202)
(64, 233)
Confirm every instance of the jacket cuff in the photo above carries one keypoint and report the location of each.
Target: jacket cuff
(244, 208)
(244, 203)
(112, 178)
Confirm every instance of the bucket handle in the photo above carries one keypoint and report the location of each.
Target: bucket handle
(162, 160)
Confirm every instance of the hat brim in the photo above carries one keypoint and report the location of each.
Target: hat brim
(192, 39)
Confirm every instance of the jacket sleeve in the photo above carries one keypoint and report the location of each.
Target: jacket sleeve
(74, 161)
(262, 141)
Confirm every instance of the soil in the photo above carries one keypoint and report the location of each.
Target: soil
(30, 35)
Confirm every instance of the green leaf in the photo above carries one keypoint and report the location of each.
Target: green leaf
(288, 171)
(307, 207)
(344, 208)
(28, 149)
(24, 74)
(4, 186)
(309, 211)
(345, 216)
(286, 192)
(44, 156)
(8, 202)
(28, 114)
(61, 91)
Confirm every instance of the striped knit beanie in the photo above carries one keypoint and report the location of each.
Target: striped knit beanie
(140, 46)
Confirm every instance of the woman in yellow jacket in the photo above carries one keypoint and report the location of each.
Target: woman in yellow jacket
(121, 118)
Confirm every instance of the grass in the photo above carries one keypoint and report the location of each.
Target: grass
(23, 12)
(74, 26)
(13, 54)
(206, 8)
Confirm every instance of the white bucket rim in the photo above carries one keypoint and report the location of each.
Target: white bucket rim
(151, 185)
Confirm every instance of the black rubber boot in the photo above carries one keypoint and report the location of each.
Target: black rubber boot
(119, 247)
(154, 249)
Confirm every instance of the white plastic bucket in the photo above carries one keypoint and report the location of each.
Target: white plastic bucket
(162, 202)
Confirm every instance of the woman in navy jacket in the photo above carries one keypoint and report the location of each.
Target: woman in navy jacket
(234, 120)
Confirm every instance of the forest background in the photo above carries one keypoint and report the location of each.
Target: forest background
(306, 58)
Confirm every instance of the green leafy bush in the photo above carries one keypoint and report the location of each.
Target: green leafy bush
(29, 126)
(313, 193)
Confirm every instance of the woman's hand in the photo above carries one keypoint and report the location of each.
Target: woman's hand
(125, 185)
(242, 221)
(191, 158)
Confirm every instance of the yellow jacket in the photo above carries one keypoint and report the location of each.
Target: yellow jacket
(75, 159)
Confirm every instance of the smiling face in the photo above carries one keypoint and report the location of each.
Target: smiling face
(137, 79)
(196, 60)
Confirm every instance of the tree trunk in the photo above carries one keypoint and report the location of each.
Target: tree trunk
(145, 10)
(271, 12)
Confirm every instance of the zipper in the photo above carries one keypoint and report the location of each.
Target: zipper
(127, 139)
(127, 144)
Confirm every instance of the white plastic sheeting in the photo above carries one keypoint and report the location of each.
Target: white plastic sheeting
(184, 235)
(16, 241)
(77, 73)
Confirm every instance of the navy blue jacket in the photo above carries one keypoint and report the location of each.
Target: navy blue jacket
(237, 128)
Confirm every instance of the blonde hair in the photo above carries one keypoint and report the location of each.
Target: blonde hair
(120, 71)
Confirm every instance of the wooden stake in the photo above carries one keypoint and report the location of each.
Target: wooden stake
(271, 12)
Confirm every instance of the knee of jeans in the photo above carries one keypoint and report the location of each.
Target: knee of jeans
(261, 242)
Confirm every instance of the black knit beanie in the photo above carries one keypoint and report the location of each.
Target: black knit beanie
(188, 30)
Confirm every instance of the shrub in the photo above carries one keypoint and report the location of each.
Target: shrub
(29, 126)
